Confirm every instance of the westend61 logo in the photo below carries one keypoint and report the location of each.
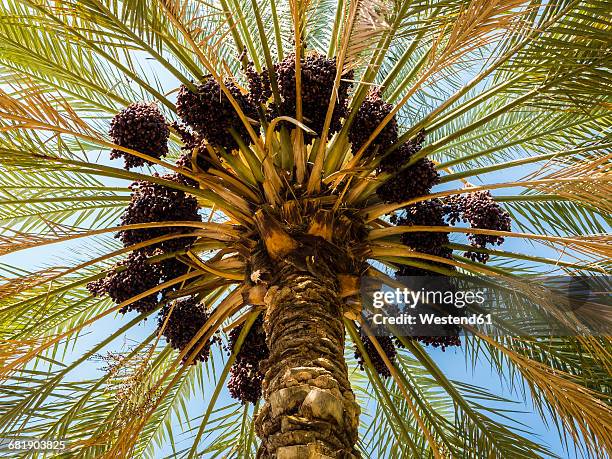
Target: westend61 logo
(424, 308)
(432, 306)
(446, 306)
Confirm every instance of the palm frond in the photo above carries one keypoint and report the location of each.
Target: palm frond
(510, 94)
(579, 409)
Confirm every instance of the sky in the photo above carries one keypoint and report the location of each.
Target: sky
(453, 362)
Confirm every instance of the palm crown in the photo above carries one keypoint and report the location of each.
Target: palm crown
(301, 146)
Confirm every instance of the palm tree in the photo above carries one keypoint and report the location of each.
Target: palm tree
(279, 153)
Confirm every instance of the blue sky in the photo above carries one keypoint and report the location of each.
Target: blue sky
(453, 361)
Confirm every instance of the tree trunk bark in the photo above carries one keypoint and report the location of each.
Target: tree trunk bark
(310, 410)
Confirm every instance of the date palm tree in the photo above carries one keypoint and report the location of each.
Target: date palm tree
(256, 161)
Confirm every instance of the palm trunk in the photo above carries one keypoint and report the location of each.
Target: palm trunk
(310, 409)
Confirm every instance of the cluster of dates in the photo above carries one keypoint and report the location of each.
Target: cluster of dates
(207, 115)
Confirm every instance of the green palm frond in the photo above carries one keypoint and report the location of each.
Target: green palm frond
(506, 96)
